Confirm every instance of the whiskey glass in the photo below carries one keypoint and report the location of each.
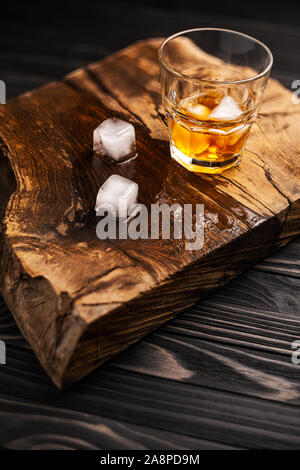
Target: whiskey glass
(212, 83)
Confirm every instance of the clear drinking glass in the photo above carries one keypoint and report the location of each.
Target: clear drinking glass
(212, 84)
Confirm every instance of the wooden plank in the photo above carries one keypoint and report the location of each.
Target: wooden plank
(285, 262)
(232, 349)
(124, 396)
(21, 425)
(68, 291)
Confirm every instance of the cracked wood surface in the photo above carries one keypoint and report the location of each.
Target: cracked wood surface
(80, 301)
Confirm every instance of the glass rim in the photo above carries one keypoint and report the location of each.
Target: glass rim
(220, 82)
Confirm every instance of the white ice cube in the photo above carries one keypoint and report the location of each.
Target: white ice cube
(117, 195)
(114, 140)
(227, 109)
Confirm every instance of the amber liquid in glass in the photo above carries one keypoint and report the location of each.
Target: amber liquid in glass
(203, 144)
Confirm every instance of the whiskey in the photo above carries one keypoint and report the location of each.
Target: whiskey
(207, 133)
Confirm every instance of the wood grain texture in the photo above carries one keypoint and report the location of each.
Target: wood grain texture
(71, 430)
(79, 301)
(221, 373)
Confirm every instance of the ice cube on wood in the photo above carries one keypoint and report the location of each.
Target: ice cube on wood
(227, 109)
(117, 195)
(114, 140)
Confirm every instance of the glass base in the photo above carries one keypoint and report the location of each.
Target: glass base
(204, 166)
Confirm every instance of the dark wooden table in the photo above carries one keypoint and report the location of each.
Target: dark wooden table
(220, 376)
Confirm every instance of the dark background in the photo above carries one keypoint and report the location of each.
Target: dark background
(218, 376)
(43, 41)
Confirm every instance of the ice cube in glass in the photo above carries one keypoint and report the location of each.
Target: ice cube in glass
(227, 109)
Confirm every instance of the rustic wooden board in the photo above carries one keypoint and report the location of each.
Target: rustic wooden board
(78, 300)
